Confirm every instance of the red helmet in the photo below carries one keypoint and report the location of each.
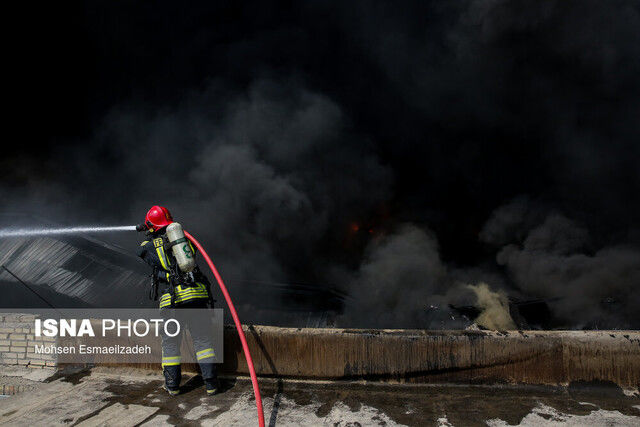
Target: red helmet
(157, 218)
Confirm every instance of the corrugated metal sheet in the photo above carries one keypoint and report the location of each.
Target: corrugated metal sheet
(77, 268)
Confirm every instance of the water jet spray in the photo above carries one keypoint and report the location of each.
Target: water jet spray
(43, 231)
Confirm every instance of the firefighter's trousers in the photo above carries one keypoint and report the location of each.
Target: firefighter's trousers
(200, 329)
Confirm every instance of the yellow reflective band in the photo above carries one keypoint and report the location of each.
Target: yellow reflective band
(191, 290)
(188, 297)
(171, 361)
(165, 300)
(183, 294)
(182, 288)
(207, 356)
(161, 254)
(167, 359)
(186, 292)
(144, 243)
(198, 353)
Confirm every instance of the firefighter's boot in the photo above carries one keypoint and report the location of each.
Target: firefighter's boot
(212, 385)
(172, 377)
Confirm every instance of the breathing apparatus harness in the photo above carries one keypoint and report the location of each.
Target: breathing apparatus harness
(183, 270)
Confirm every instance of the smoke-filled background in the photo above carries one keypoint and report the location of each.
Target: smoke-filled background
(395, 152)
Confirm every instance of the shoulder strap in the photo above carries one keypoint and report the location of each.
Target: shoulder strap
(158, 243)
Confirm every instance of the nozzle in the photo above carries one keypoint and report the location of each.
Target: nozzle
(141, 227)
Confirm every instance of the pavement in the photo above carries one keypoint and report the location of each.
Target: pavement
(123, 396)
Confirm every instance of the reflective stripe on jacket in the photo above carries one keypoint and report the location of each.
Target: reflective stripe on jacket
(153, 253)
(184, 294)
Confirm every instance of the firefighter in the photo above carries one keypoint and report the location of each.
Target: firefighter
(178, 291)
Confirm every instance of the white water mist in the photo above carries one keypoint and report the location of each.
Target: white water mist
(42, 231)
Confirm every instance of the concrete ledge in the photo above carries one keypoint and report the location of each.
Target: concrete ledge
(530, 357)
(419, 356)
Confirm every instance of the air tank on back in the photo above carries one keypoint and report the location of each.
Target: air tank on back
(181, 247)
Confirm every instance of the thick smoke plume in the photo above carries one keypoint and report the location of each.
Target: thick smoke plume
(495, 308)
(401, 275)
(552, 257)
(394, 152)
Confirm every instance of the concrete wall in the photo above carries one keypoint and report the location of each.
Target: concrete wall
(419, 356)
(17, 342)
(531, 357)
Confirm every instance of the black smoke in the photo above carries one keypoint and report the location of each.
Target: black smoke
(393, 151)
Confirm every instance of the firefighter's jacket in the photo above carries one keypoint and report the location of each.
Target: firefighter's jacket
(153, 253)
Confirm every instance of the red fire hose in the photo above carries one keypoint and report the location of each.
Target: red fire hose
(236, 320)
